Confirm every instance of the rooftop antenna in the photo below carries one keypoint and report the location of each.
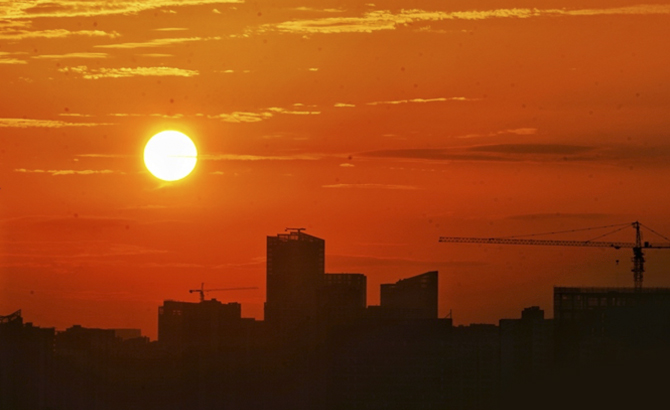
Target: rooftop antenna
(298, 230)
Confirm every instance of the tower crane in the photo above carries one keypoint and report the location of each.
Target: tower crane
(202, 290)
(637, 246)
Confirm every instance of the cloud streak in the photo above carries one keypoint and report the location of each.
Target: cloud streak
(71, 55)
(241, 116)
(422, 100)
(515, 131)
(245, 157)
(22, 34)
(61, 172)
(494, 152)
(95, 74)
(87, 8)
(159, 42)
(34, 123)
(373, 186)
(12, 61)
(385, 20)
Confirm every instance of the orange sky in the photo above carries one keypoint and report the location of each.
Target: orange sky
(379, 127)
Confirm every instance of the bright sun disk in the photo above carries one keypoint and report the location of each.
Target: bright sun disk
(170, 155)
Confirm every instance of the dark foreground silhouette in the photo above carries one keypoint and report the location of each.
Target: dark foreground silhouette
(321, 347)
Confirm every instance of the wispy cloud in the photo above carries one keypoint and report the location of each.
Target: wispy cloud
(493, 152)
(156, 55)
(386, 20)
(264, 114)
(293, 112)
(104, 156)
(514, 131)
(81, 8)
(241, 116)
(60, 172)
(97, 73)
(71, 55)
(541, 149)
(373, 186)
(245, 157)
(12, 61)
(422, 100)
(34, 123)
(158, 42)
(344, 105)
(317, 10)
(74, 114)
(22, 34)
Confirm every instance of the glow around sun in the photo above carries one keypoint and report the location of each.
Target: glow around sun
(170, 155)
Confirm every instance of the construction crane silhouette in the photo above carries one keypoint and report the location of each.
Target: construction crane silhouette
(202, 290)
(637, 246)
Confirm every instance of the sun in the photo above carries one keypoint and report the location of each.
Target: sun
(170, 155)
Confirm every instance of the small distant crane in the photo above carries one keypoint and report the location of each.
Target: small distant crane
(202, 290)
(637, 246)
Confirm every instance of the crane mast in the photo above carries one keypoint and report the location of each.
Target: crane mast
(637, 246)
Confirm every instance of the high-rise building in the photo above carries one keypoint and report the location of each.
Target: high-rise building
(295, 270)
(414, 297)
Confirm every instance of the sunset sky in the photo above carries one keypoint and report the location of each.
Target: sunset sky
(379, 127)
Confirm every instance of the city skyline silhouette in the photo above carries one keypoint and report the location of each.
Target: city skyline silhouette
(322, 346)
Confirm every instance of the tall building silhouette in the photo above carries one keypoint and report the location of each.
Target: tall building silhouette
(414, 297)
(295, 270)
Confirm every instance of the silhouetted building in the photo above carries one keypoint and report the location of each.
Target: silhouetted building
(526, 355)
(206, 324)
(83, 339)
(612, 340)
(414, 297)
(343, 297)
(597, 324)
(26, 363)
(388, 364)
(295, 270)
(127, 334)
(472, 367)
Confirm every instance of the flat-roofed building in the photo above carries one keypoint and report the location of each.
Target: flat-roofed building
(414, 297)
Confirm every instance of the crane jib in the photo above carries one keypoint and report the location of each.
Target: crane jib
(637, 246)
(547, 242)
